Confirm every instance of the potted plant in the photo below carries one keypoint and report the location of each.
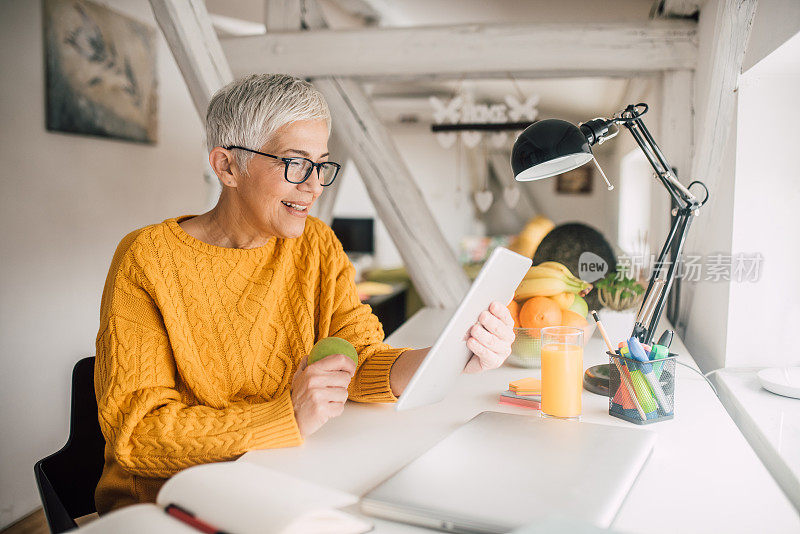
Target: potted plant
(621, 297)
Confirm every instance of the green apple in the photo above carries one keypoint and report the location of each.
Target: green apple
(332, 345)
(579, 306)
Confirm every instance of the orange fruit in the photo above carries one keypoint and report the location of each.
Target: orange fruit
(539, 312)
(564, 300)
(570, 318)
(513, 307)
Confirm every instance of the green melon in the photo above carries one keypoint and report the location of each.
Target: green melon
(332, 345)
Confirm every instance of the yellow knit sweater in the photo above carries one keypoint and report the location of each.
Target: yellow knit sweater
(198, 345)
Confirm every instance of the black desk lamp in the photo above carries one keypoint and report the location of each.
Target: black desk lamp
(552, 146)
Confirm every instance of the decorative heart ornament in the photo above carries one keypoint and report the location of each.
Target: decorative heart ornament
(511, 196)
(446, 139)
(470, 138)
(498, 139)
(483, 200)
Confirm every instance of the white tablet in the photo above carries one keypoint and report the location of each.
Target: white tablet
(498, 279)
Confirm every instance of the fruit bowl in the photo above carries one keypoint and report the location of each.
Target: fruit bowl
(526, 349)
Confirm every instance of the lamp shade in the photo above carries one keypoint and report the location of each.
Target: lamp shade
(547, 148)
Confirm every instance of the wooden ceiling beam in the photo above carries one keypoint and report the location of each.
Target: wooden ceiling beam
(475, 50)
(359, 135)
(431, 263)
(294, 15)
(190, 35)
(732, 26)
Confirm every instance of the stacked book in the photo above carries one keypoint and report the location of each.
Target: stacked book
(526, 392)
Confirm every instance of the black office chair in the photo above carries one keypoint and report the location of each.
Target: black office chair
(67, 479)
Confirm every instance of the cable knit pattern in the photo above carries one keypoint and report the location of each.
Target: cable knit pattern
(198, 345)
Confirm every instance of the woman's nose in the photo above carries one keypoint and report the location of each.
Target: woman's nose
(313, 184)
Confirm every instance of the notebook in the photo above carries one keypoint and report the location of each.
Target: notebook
(558, 468)
(238, 497)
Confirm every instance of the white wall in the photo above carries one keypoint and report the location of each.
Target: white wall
(704, 305)
(706, 327)
(66, 202)
(763, 311)
(597, 209)
(705, 320)
(447, 185)
(635, 192)
(442, 179)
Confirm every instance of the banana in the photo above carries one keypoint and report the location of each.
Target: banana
(543, 287)
(550, 282)
(557, 266)
(545, 272)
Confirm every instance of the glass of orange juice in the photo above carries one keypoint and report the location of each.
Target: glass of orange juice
(562, 371)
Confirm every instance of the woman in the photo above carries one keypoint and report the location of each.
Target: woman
(207, 321)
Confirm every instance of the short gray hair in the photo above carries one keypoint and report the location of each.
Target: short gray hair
(248, 111)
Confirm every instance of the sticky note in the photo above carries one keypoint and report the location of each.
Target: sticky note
(531, 386)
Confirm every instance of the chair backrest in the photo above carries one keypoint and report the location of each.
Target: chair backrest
(67, 479)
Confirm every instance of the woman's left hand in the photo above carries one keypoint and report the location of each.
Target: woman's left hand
(490, 339)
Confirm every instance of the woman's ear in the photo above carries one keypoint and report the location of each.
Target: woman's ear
(224, 165)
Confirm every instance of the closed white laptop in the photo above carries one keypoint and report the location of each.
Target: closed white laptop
(434, 378)
(501, 471)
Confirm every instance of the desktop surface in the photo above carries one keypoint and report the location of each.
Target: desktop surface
(503, 471)
(702, 465)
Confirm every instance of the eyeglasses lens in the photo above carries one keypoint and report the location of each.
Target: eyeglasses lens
(297, 170)
(327, 172)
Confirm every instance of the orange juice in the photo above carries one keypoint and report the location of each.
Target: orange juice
(562, 379)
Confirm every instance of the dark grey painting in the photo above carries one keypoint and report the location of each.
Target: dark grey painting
(101, 72)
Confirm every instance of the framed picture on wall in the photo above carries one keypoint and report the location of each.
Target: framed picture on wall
(101, 72)
(575, 182)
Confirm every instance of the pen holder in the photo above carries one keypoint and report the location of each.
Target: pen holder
(639, 392)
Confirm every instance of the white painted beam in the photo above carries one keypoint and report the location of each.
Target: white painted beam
(476, 50)
(195, 46)
(282, 15)
(358, 135)
(233, 27)
(339, 152)
(676, 140)
(677, 121)
(732, 25)
(431, 263)
(293, 15)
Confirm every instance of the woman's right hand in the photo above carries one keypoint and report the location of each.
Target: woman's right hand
(319, 391)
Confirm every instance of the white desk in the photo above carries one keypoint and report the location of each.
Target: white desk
(702, 476)
(770, 423)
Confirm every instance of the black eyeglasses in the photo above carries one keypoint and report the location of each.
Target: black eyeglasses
(297, 170)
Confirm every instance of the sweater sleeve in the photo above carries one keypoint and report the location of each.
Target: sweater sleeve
(155, 429)
(354, 321)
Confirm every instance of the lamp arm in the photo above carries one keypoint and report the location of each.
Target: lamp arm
(646, 332)
(687, 204)
(682, 196)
